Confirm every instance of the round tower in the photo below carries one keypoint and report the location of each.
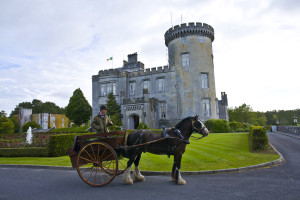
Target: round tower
(190, 54)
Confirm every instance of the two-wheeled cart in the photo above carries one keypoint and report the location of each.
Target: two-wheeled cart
(98, 158)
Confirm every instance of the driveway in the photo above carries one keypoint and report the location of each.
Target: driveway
(278, 182)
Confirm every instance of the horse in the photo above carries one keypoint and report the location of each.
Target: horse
(173, 143)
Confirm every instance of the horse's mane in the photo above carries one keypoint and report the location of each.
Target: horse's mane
(179, 124)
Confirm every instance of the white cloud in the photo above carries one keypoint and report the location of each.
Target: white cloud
(50, 48)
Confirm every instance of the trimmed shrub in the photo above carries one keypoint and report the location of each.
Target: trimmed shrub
(24, 152)
(31, 124)
(258, 138)
(217, 125)
(58, 144)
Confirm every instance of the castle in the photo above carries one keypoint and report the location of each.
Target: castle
(164, 95)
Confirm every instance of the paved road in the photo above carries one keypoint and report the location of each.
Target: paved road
(280, 182)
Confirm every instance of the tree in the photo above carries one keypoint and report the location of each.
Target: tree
(38, 106)
(243, 114)
(6, 125)
(114, 111)
(27, 105)
(3, 113)
(78, 110)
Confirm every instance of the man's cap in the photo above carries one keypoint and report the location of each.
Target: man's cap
(103, 107)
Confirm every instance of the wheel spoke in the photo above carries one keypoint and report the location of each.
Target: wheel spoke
(88, 154)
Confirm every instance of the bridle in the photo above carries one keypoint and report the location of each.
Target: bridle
(198, 130)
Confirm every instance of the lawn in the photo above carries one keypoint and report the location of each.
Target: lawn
(217, 151)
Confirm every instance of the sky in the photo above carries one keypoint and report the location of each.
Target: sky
(50, 48)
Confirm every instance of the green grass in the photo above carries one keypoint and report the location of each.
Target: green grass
(217, 151)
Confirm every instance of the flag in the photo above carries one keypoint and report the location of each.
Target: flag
(108, 59)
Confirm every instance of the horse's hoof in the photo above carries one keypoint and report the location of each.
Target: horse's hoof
(139, 178)
(181, 182)
(129, 182)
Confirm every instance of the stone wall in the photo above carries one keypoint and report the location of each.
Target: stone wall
(290, 129)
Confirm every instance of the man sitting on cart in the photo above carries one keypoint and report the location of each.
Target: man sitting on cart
(101, 121)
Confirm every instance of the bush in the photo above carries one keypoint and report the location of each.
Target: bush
(238, 127)
(31, 124)
(142, 126)
(24, 152)
(217, 125)
(58, 144)
(258, 138)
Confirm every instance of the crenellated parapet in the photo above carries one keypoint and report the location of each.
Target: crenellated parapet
(120, 72)
(191, 28)
(109, 72)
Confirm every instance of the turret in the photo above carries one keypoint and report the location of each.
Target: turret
(190, 53)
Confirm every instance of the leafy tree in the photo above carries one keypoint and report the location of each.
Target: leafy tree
(16, 122)
(114, 111)
(31, 124)
(78, 110)
(38, 106)
(6, 125)
(3, 113)
(21, 105)
(243, 114)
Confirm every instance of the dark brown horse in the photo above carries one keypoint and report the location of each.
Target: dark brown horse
(173, 142)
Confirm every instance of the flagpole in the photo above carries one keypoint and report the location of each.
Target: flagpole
(112, 62)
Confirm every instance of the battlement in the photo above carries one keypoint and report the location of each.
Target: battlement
(191, 28)
(150, 71)
(121, 72)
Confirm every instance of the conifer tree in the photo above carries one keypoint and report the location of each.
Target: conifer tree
(113, 111)
(78, 110)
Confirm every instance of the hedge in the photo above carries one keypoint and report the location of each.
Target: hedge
(58, 144)
(217, 125)
(258, 138)
(24, 152)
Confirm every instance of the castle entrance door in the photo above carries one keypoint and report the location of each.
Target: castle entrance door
(134, 121)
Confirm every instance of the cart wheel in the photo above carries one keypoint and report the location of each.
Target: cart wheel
(122, 165)
(97, 164)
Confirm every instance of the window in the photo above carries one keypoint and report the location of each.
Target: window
(206, 107)
(201, 39)
(109, 88)
(161, 85)
(114, 88)
(185, 59)
(163, 111)
(132, 88)
(146, 85)
(204, 80)
(103, 89)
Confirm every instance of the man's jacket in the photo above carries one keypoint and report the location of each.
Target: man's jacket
(100, 124)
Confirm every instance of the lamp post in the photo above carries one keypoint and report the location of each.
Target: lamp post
(295, 120)
(277, 122)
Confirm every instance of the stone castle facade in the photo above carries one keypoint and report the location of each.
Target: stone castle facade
(162, 96)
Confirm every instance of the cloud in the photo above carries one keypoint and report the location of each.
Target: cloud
(50, 48)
